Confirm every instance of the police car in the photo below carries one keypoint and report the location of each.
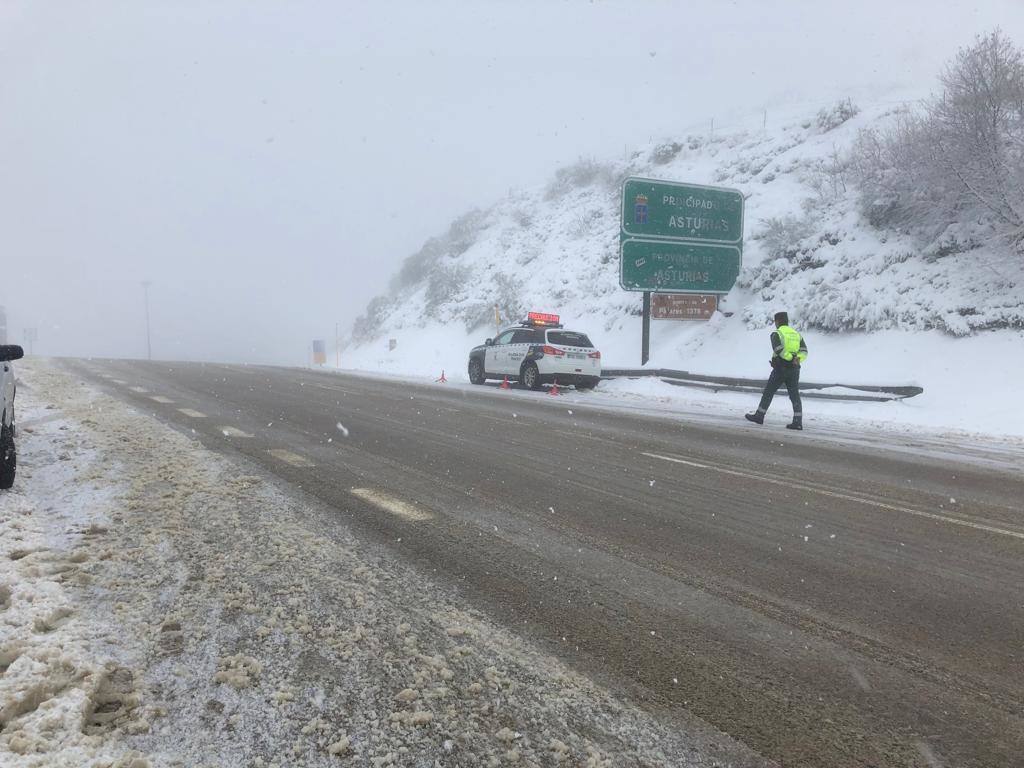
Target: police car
(538, 351)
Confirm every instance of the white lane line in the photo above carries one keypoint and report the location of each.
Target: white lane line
(392, 504)
(192, 414)
(161, 399)
(290, 458)
(233, 432)
(845, 496)
(118, 381)
(140, 390)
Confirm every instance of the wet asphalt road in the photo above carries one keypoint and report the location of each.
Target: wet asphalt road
(826, 602)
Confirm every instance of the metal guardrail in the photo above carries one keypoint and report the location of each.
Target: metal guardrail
(873, 393)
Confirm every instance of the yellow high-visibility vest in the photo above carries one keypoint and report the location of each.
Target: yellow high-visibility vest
(790, 344)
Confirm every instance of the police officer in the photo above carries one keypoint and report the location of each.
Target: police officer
(789, 350)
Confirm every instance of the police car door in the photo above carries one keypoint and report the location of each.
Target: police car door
(518, 348)
(495, 358)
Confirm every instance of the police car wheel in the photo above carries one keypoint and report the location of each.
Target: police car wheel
(8, 458)
(530, 376)
(476, 372)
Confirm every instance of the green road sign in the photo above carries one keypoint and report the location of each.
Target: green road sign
(664, 209)
(678, 267)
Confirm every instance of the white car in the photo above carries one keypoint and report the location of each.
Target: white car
(8, 456)
(538, 351)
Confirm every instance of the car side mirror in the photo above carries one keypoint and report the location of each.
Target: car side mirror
(489, 343)
(11, 352)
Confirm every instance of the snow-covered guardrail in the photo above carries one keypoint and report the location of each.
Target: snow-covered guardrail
(858, 392)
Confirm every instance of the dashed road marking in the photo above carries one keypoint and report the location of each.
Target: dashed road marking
(161, 399)
(393, 505)
(233, 432)
(290, 458)
(140, 390)
(839, 495)
(192, 414)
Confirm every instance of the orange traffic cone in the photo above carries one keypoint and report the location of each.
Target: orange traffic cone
(505, 384)
(554, 388)
(442, 380)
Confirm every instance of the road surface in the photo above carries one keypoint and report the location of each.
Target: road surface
(828, 602)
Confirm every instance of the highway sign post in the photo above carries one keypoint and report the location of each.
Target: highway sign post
(678, 238)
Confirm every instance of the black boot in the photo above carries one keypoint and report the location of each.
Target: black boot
(797, 424)
(757, 418)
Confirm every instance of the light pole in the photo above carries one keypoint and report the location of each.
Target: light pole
(145, 296)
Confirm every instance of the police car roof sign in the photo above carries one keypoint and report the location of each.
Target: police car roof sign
(542, 318)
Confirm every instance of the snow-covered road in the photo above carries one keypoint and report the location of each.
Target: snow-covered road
(163, 605)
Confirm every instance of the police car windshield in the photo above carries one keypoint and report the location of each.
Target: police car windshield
(569, 339)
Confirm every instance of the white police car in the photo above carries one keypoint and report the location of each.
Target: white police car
(538, 351)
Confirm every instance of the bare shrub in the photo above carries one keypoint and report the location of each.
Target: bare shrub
(585, 172)
(666, 152)
(827, 177)
(957, 158)
(782, 236)
(368, 326)
(443, 285)
(836, 115)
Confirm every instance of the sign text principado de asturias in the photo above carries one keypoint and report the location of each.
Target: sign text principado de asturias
(680, 238)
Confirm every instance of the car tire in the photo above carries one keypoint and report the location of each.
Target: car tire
(476, 371)
(588, 383)
(529, 375)
(8, 459)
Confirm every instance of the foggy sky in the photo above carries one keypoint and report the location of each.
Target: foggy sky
(268, 165)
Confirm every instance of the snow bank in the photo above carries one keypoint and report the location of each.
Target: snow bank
(971, 384)
(63, 686)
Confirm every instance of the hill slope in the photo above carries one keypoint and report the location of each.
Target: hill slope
(807, 248)
(878, 306)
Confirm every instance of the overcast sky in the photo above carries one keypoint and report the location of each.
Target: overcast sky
(267, 165)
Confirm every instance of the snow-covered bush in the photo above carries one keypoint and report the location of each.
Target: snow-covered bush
(371, 324)
(585, 172)
(782, 236)
(665, 152)
(836, 115)
(958, 158)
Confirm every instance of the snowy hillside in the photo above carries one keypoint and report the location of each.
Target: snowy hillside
(807, 246)
(879, 306)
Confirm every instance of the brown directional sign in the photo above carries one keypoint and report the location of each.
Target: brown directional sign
(683, 306)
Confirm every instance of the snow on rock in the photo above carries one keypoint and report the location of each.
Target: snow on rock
(194, 612)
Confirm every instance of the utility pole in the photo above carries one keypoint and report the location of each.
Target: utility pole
(145, 296)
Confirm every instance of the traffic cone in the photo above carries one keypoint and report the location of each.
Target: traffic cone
(442, 380)
(554, 388)
(505, 384)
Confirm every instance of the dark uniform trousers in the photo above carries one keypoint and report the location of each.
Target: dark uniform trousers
(783, 373)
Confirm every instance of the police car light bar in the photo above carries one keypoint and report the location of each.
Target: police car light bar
(541, 318)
